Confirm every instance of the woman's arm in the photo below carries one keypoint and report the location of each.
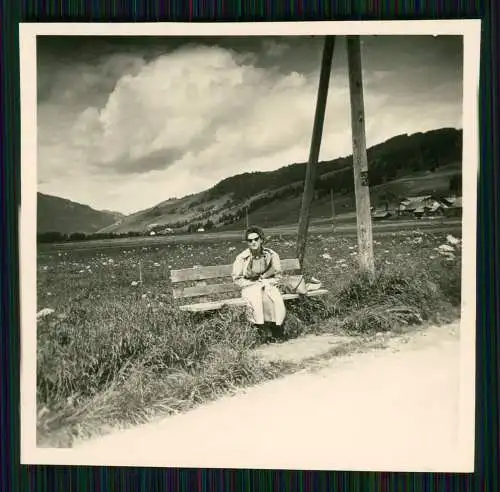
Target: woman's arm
(237, 275)
(274, 274)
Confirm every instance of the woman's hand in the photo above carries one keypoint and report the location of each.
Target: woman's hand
(268, 281)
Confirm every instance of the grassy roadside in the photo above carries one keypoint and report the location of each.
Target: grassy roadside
(115, 357)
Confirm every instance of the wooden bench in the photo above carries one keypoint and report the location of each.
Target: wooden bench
(202, 282)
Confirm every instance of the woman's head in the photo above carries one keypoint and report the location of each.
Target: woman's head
(254, 237)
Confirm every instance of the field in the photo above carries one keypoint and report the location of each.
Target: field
(116, 351)
(344, 225)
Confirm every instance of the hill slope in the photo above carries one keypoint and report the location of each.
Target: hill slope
(56, 214)
(401, 166)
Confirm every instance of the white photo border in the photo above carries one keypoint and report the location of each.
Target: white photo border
(470, 29)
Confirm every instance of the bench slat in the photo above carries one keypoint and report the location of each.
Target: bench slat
(206, 272)
(214, 305)
(204, 290)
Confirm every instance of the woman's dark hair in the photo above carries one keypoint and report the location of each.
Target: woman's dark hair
(254, 230)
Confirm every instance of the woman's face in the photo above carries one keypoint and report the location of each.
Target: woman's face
(254, 241)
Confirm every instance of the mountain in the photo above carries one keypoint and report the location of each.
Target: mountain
(116, 215)
(56, 214)
(427, 162)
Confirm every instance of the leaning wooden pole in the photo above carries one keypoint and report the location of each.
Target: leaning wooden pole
(360, 159)
(317, 133)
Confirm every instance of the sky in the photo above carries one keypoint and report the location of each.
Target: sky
(126, 123)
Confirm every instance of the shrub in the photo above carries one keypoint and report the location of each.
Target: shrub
(380, 318)
(393, 297)
(310, 310)
(448, 276)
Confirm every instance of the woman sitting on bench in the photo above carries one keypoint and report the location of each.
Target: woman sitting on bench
(257, 271)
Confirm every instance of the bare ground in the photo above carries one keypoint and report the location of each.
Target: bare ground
(391, 408)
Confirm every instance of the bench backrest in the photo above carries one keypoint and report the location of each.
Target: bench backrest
(203, 281)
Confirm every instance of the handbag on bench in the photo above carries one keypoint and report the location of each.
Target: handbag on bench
(296, 284)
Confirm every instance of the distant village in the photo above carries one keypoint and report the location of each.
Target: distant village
(420, 206)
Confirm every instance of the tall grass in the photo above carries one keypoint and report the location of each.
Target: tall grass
(394, 297)
(122, 362)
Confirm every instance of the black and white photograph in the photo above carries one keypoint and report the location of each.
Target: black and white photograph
(249, 246)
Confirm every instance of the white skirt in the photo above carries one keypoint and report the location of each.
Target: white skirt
(264, 304)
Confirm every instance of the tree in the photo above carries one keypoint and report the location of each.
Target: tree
(77, 236)
(51, 237)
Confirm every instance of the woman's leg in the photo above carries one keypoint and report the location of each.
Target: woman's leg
(278, 332)
(279, 308)
(253, 297)
(268, 308)
(262, 332)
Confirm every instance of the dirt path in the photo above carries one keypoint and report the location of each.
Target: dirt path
(387, 409)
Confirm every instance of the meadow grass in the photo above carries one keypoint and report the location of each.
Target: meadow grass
(117, 351)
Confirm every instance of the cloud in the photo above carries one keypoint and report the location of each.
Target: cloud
(126, 131)
(273, 48)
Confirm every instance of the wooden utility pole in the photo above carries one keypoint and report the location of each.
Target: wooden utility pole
(246, 216)
(360, 159)
(319, 118)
